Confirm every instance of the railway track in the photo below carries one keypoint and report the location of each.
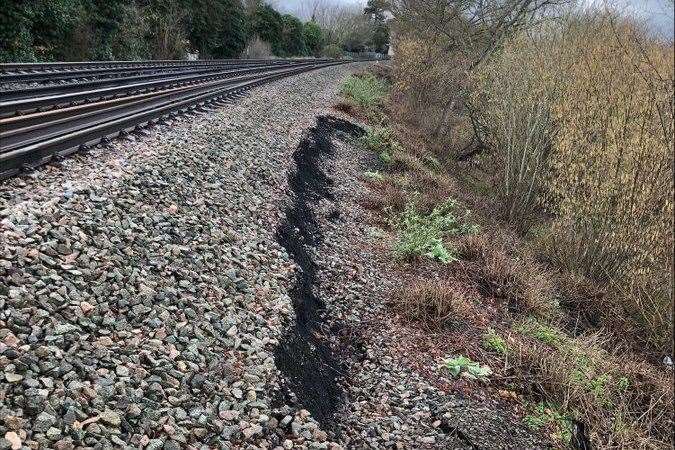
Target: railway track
(53, 119)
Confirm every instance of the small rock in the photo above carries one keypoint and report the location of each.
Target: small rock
(53, 433)
(86, 307)
(65, 328)
(320, 435)
(134, 410)
(111, 418)
(13, 422)
(13, 377)
(13, 439)
(43, 422)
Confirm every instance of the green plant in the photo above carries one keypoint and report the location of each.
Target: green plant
(547, 414)
(544, 333)
(381, 141)
(385, 157)
(375, 176)
(433, 163)
(494, 342)
(366, 91)
(332, 51)
(313, 36)
(421, 235)
(466, 367)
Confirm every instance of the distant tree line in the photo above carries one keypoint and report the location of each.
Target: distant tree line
(72, 30)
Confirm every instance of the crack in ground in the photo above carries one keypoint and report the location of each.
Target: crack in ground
(304, 356)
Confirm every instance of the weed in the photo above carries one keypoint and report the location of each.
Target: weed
(549, 415)
(544, 333)
(366, 90)
(432, 163)
(385, 157)
(467, 368)
(374, 176)
(381, 141)
(494, 342)
(421, 235)
(376, 233)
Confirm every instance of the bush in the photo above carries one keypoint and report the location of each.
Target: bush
(582, 126)
(267, 24)
(366, 90)
(422, 235)
(313, 37)
(332, 51)
(513, 118)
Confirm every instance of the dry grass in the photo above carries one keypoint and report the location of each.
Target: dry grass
(516, 279)
(622, 405)
(563, 353)
(434, 303)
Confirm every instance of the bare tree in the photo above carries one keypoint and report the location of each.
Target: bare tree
(473, 27)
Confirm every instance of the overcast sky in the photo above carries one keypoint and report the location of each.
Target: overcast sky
(658, 13)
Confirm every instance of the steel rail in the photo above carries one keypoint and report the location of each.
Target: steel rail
(64, 65)
(126, 117)
(16, 133)
(61, 89)
(10, 73)
(11, 107)
(57, 79)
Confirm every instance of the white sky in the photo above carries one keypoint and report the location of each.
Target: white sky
(657, 13)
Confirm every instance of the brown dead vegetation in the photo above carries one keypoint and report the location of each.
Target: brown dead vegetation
(554, 323)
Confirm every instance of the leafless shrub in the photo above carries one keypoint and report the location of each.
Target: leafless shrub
(622, 403)
(257, 49)
(515, 278)
(434, 303)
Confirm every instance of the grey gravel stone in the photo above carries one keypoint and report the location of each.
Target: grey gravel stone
(144, 284)
(43, 422)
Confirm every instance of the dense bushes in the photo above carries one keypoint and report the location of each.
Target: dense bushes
(592, 146)
(58, 30)
(559, 134)
(573, 124)
(217, 28)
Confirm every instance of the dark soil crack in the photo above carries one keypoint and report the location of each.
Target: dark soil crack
(304, 355)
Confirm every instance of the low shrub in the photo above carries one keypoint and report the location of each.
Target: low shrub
(422, 235)
(433, 303)
(381, 141)
(366, 90)
(332, 51)
(622, 403)
(515, 278)
(494, 342)
(549, 416)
